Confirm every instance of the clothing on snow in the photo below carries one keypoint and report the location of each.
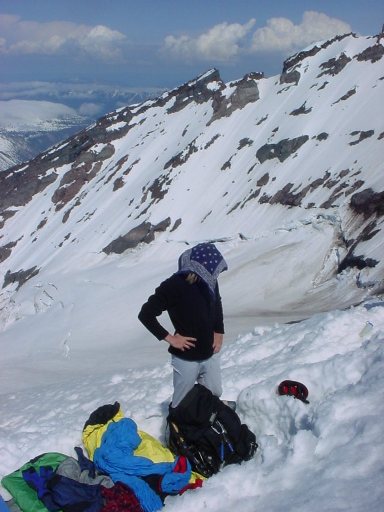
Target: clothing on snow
(25, 496)
(115, 457)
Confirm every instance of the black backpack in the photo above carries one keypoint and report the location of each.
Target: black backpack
(208, 432)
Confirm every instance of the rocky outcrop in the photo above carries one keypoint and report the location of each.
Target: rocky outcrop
(334, 66)
(6, 251)
(19, 277)
(144, 233)
(372, 54)
(181, 157)
(282, 150)
(289, 75)
(362, 135)
(72, 182)
(197, 91)
(368, 203)
(245, 92)
(301, 110)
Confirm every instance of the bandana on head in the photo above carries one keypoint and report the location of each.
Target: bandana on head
(206, 261)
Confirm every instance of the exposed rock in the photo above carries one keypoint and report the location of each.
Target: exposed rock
(244, 142)
(299, 57)
(118, 183)
(347, 95)
(367, 202)
(20, 277)
(116, 168)
(253, 195)
(323, 86)
(197, 91)
(301, 110)
(362, 135)
(182, 157)
(19, 184)
(334, 66)
(352, 261)
(226, 165)
(42, 223)
(291, 77)
(286, 197)
(282, 150)
(17, 187)
(246, 92)
(72, 182)
(6, 251)
(210, 142)
(322, 136)
(373, 53)
(262, 120)
(65, 239)
(6, 214)
(91, 156)
(144, 233)
(176, 225)
(263, 180)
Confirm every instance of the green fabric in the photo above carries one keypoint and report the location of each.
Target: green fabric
(26, 497)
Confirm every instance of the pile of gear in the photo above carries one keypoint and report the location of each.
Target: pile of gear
(129, 470)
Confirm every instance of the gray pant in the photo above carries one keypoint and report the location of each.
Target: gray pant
(187, 373)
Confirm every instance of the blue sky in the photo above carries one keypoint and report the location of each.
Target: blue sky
(163, 43)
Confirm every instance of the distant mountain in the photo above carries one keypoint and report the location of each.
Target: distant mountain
(296, 157)
(37, 115)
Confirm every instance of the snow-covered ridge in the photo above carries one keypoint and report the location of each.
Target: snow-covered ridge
(215, 161)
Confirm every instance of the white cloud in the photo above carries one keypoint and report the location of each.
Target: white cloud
(222, 42)
(226, 41)
(90, 109)
(58, 37)
(281, 34)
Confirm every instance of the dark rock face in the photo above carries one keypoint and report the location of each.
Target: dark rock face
(368, 203)
(20, 276)
(301, 110)
(245, 142)
(144, 233)
(352, 261)
(181, 157)
(6, 251)
(334, 66)
(299, 57)
(195, 91)
(290, 77)
(19, 184)
(72, 182)
(362, 135)
(246, 92)
(282, 150)
(17, 187)
(347, 95)
(373, 53)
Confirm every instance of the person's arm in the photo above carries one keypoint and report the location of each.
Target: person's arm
(157, 303)
(218, 334)
(164, 297)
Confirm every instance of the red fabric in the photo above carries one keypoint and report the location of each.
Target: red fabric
(120, 498)
(198, 483)
(181, 465)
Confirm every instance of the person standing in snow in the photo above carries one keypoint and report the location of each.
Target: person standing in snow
(192, 299)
